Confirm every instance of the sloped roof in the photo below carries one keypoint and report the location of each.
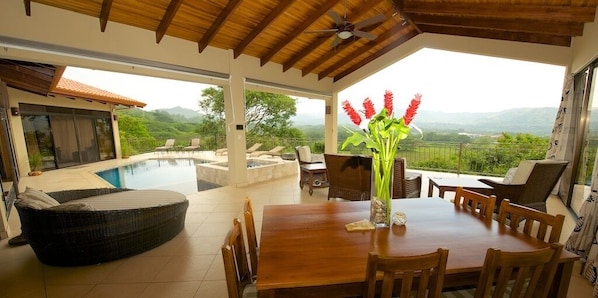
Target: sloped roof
(276, 31)
(72, 88)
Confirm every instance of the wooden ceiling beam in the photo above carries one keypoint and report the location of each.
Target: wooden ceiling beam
(105, 13)
(529, 26)
(510, 11)
(396, 30)
(404, 38)
(554, 40)
(27, 4)
(169, 14)
(275, 13)
(298, 30)
(217, 24)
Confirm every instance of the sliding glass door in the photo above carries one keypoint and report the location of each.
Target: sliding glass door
(66, 137)
(587, 137)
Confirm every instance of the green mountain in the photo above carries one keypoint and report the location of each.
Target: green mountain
(536, 121)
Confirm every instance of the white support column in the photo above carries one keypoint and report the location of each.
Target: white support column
(331, 124)
(234, 109)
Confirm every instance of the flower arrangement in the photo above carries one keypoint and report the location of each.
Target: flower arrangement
(382, 137)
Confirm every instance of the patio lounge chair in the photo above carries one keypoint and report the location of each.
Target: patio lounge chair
(531, 184)
(169, 145)
(223, 151)
(276, 151)
(304, 155)
(194, 146)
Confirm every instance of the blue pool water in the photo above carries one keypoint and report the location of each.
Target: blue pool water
(169, 174)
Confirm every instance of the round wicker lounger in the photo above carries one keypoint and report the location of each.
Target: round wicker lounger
(73, 238)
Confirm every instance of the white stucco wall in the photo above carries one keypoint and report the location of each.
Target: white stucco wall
(585, 48)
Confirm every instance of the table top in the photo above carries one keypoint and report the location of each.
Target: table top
(307, 245)
(454, 182)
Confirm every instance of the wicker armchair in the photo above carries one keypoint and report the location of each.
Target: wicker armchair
(531, 185)
(349, 177)
(73, 238)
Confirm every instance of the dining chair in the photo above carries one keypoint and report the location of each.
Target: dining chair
(516, 274)
(236, 269)
(251, 236)
(536, 223)
(428, 268)
(476, 203)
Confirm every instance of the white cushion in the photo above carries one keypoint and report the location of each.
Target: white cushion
(304, 153)
(31, 203)
(523, 170)
(509, 176)
(73, 207)
(132, 199)
(34, 194)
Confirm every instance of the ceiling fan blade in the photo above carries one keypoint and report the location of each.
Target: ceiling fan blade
(373, 20)
(336, 17)
(364, 34)
(335, 42)
(321, 31)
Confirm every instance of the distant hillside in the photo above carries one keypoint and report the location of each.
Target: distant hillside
(187, 113)
(537, 121)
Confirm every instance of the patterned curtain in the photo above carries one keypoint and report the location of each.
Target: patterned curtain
(563, 131)
(583, 236)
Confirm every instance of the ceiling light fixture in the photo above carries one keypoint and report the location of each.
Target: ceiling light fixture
(344, 34)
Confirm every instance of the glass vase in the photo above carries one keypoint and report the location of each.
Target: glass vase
(381, 192)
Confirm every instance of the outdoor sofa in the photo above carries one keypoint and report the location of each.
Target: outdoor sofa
(91, 226)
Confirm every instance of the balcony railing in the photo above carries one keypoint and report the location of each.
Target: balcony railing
(492, 159)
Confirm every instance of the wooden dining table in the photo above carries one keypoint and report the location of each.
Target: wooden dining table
(306, 251)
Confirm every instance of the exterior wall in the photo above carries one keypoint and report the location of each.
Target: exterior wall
(17, 96)
(585, 48)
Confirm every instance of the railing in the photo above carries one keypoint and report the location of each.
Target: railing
(492, 159)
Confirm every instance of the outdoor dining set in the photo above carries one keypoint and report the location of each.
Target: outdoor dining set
(494, 238)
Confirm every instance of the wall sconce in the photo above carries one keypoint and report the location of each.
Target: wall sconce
(115, 117)
(328, 110)
(14, 111)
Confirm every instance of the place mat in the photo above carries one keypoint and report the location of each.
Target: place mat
(362, 225)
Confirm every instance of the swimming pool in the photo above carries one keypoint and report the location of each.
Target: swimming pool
(177, 174)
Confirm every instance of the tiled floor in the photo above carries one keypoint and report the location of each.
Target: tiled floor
(190, 265)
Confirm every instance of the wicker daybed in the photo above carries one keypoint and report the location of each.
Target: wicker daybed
(143, 219)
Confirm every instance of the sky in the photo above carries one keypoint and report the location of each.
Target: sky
(448, 81)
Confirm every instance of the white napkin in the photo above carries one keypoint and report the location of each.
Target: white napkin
(361, 225)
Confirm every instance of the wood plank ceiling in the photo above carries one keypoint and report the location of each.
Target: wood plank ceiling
(275, 30)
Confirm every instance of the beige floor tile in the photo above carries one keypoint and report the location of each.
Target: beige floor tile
(171, 290)
(121, 290)
(212, 289)
(185, 268)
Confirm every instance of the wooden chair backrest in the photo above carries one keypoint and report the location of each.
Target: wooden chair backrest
(251, 236)
(477, 203)
(236, 269)
(524, 274)
(428, 268)
(536, 223)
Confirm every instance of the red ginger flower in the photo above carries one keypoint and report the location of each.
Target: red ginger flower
(388, 102)
(351, 112)
(369, 108)
(412, 109)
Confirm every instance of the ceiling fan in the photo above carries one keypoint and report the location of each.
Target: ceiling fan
(345, 29)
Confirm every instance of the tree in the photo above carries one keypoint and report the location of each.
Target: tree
(266, 114)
